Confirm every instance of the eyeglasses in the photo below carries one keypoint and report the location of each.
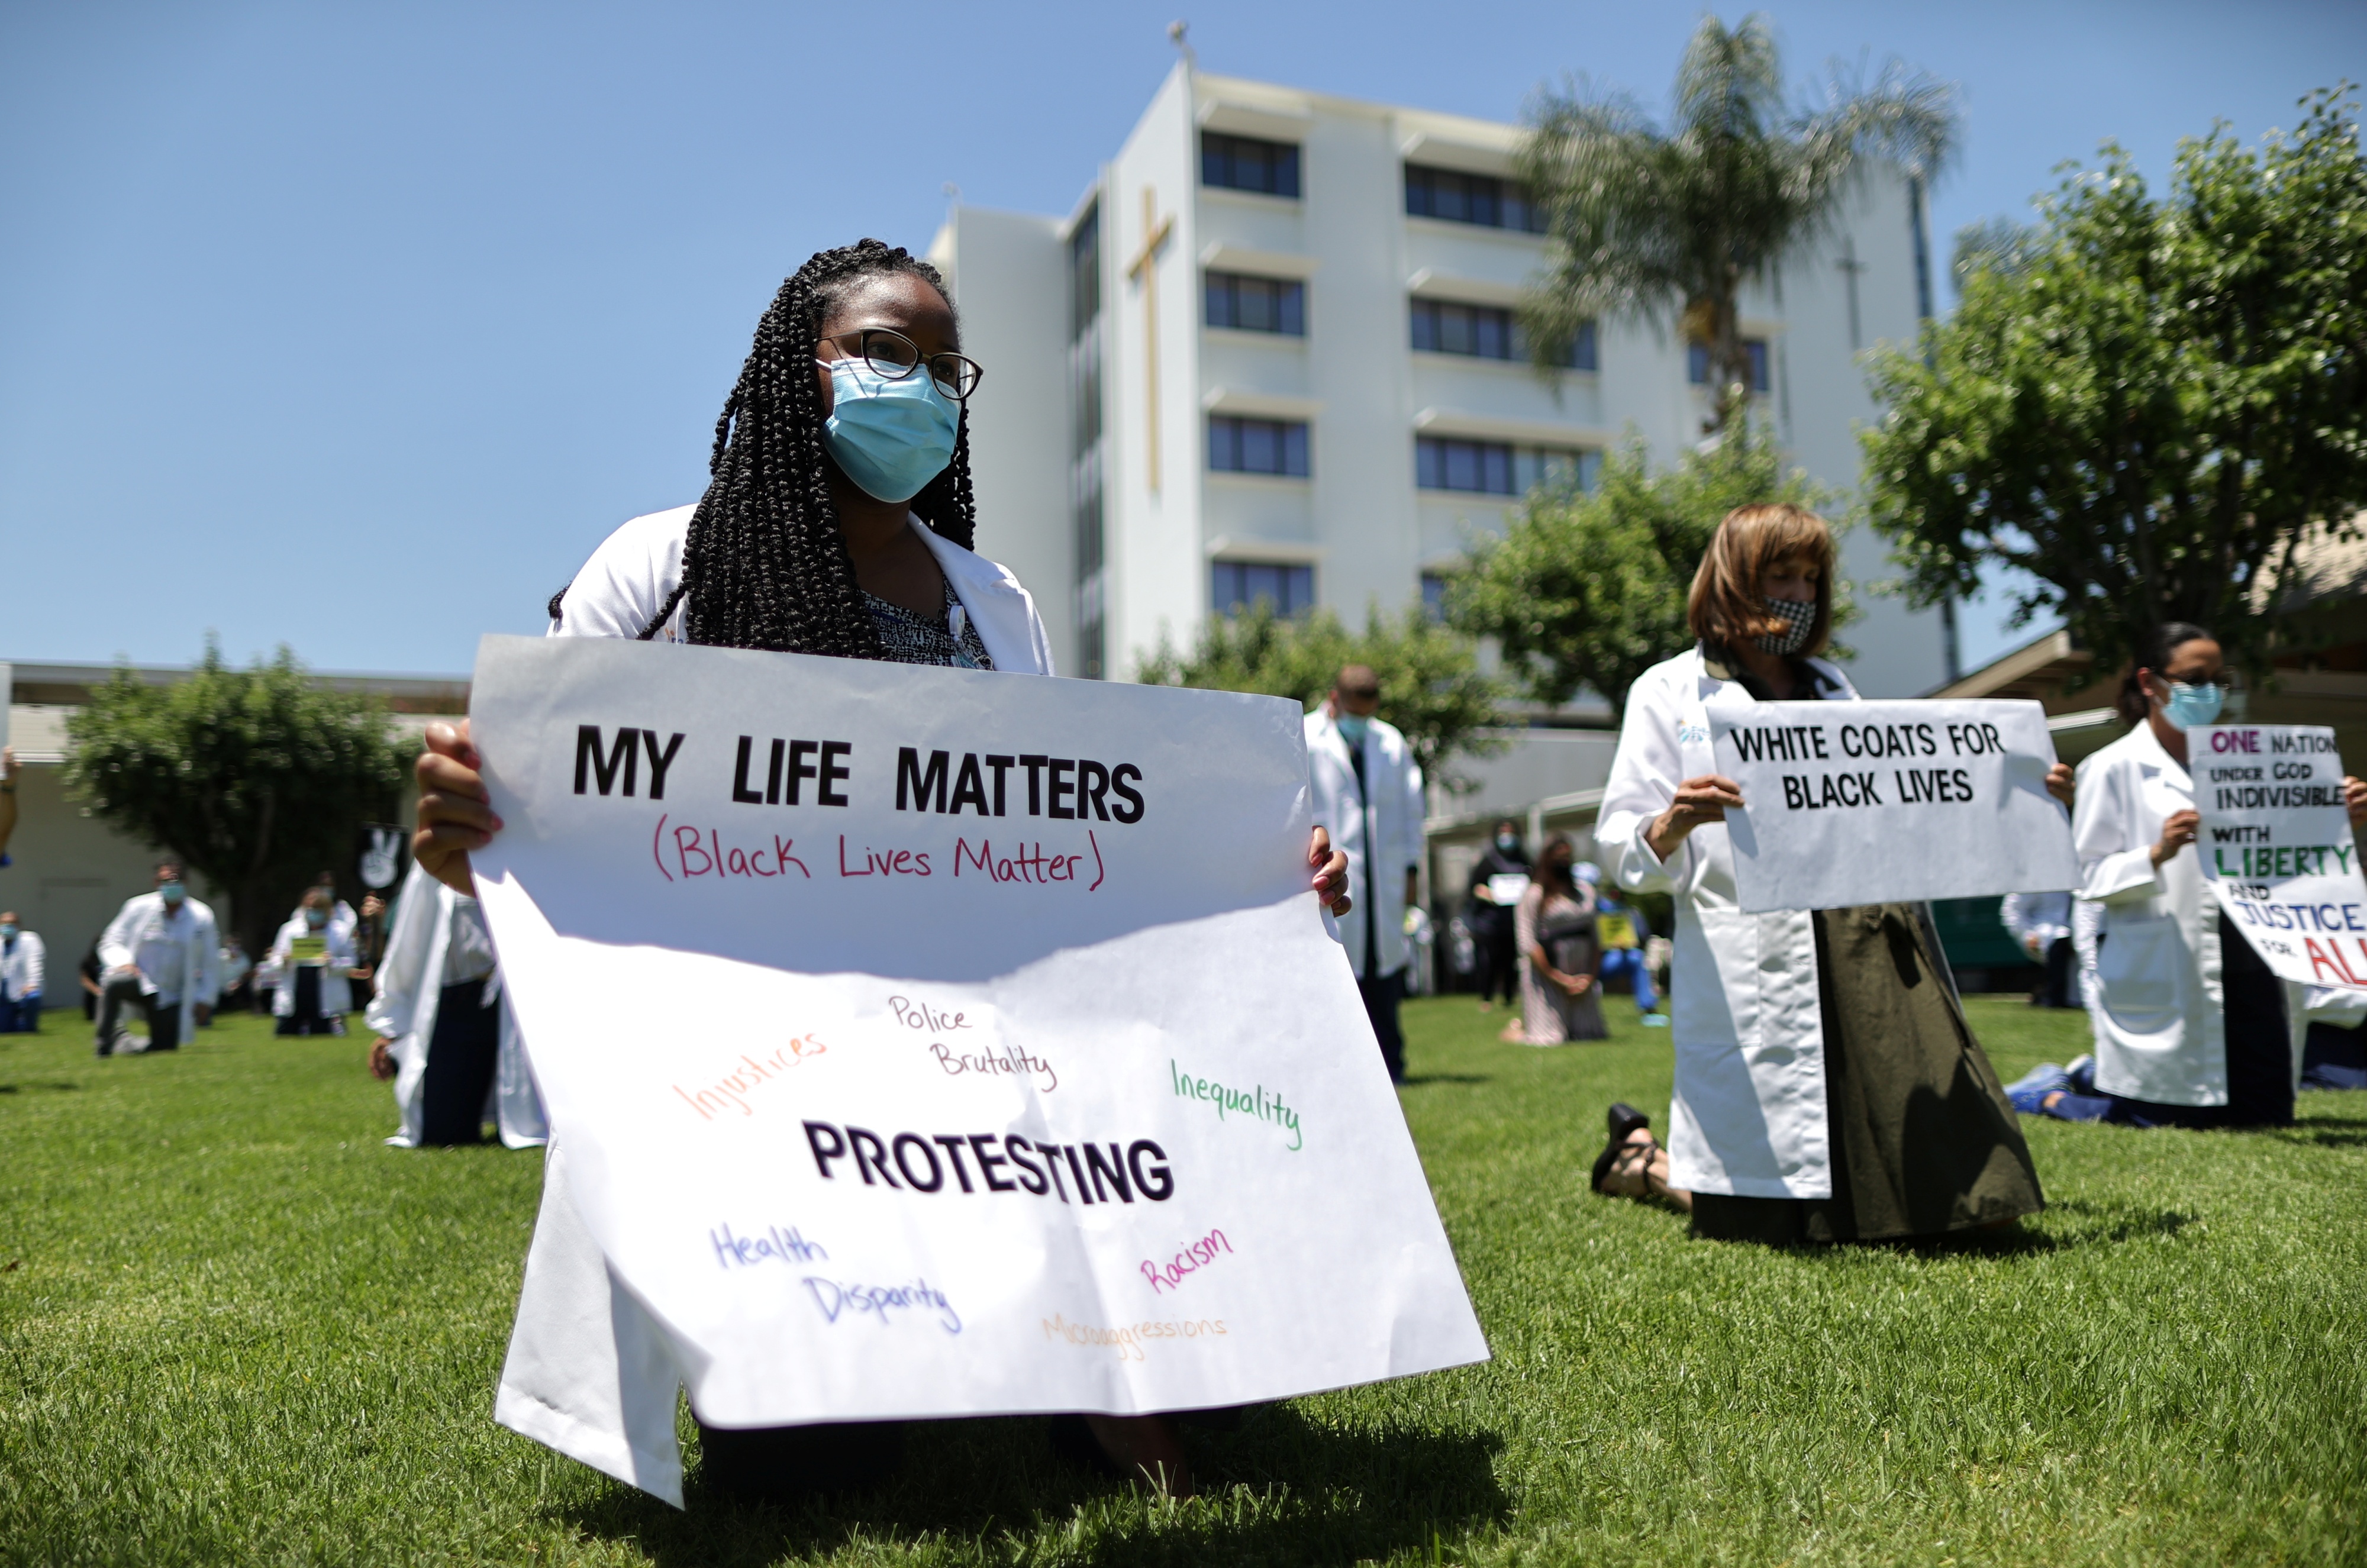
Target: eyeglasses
(896, 356)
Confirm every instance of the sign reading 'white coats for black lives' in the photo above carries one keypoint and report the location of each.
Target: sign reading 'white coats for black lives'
(1883, 802)
(938, 1041)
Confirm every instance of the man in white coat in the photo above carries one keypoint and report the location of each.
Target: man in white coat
(161, 954)
(22, 957)
(1368, 795)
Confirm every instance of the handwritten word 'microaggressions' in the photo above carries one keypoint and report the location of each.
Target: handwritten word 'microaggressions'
(1142, 1169)
(1190, 1261)
(839, 1298)
(744, 1080)
(1129, 1338)
(1255, 1101)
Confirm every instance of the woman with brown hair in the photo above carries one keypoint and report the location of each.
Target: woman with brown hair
(1827, 1087)
(1553, 927)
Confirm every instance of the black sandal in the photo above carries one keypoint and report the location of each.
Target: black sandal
(1623, 1119)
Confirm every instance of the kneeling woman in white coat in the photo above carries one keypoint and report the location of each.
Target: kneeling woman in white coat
(1827, 1087)
(838, 521)
(2192, 1030)
(445, 1032)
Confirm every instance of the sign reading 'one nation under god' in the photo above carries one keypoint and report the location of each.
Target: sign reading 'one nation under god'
(2277, 847)
(935, 1041)
(1876, 802)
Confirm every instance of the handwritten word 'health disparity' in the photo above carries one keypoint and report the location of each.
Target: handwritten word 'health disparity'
(841, 1299)
(748, 1075)
(1061, 789)
(1255, 1101)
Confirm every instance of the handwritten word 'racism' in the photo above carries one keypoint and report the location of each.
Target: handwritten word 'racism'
(1190, 1261)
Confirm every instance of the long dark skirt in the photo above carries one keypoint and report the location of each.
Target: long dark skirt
(1924, 1140)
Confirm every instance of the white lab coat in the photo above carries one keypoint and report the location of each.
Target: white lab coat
(409, 989)
(1378, 827)
(590, 1372)
(2157, 1006)
(197, 978)
(336, 988)
(2045, 916)
(1748, 1115)
(20, 967)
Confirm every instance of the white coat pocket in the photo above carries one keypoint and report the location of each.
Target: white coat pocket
(2142, 965)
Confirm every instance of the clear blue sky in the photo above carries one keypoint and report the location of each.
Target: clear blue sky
(355, 327)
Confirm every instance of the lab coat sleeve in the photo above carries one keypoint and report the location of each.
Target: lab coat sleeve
(209, 940)
(115, 945)
(618, 591)
(1644, 772)
(2111, 869)
(2010, 917)
(395, 990)
(36, 955)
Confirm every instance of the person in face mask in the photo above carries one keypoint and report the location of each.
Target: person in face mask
(1828, 1087)
(313, 957)
(1368, 791)
(1498, 879)
(838, 521)
(2192, 1030)
(160, 954)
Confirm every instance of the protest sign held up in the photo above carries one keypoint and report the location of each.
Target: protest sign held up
(929, 1042)
(1876, 802)
(2277, 847)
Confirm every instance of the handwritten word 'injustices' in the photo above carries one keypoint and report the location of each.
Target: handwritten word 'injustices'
(913, 1155)
(775, 770)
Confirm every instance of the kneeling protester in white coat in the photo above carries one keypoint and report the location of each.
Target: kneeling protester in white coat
(1827, 1087)
(444, 1027)
(838, 523)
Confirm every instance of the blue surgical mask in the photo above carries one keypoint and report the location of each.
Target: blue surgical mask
(1508, 842)
(2191, 705)
(1353, 727)
(316, 919)
(890, 437)
(171, 892)
(9, 932)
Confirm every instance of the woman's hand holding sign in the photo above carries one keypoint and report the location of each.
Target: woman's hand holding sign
(456, 815)
(1703, 799)
(2177, 831)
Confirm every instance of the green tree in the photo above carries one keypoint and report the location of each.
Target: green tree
(255, 777)
(1654, 224)
(1431, 685)
(2152, 402)
(1587, 588)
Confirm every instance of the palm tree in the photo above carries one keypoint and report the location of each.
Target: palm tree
(1650, 224)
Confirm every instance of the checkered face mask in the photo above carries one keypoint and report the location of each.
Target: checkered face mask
(1799, 619)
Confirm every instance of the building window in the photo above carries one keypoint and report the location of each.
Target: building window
(1498, 468)
(1697, 363)
(1433, 595)
(1235, 585)
(1459, 198)
(1244, 162)
(1257, 304)
(1239, 445)
(1485, 332)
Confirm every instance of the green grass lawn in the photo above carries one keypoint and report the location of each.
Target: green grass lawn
(235, 1328)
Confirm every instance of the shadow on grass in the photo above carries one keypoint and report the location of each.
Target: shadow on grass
(45, 1088)
(1415, 1080)
(2069, 1223)
(1281, 1489)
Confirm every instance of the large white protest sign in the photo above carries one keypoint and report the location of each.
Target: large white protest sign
(1872, 802)
(2277, 849)
(932, 1041)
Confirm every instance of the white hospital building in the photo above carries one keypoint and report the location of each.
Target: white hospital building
(1291, 371)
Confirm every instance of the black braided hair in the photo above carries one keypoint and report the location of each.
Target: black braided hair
(766, 565)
